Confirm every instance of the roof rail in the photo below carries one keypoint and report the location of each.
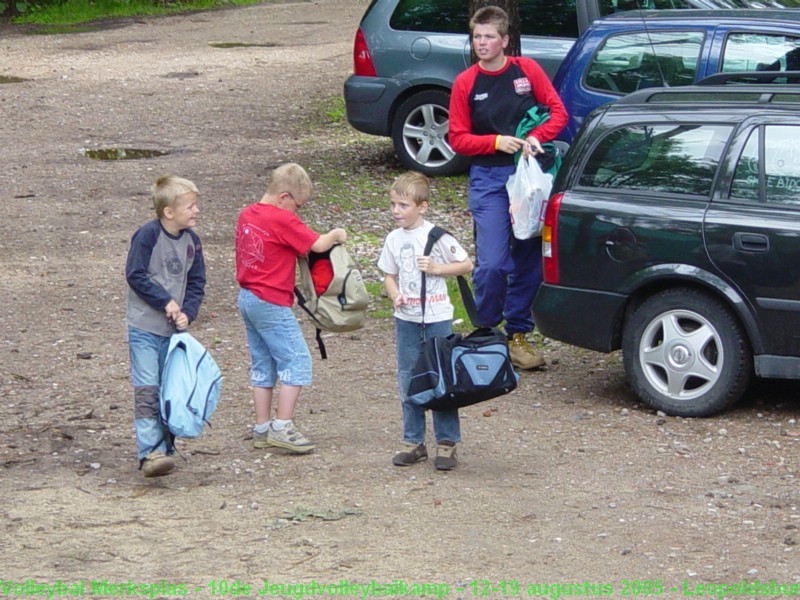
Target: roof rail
(708, 93)
(745, 77)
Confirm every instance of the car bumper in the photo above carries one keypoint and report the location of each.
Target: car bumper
(585, 318)
(369, 102)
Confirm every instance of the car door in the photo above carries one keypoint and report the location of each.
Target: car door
(752, 227)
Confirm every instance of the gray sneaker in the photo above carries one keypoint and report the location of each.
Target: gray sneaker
(410, 454)
(288, 438)
(260, 439)
(156, 464)
(445, 457)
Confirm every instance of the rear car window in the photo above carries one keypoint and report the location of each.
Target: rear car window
(761, 52)
(634, 61)
(542, 18)
(442, 16)
(679, 159)
(769, 173)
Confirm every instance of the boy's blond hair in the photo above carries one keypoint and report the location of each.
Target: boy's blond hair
(491, 15)
(166, 191)
(413, 185)
(291, 178)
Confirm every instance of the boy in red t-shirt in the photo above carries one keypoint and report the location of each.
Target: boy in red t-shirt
(269, 238)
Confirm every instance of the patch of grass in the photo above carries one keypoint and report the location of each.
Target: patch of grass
(84, 11)
(380, 307)
(459, 312)
(327, 111)
(450, 191)
(352, 191)
(335, 110)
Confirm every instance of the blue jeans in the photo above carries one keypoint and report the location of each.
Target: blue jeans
(509, 271)
(278, 349)
(408, 340)
(148, 354)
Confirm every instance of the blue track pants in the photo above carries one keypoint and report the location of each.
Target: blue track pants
(509, 271)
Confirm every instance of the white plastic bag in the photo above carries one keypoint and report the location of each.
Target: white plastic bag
(528, 191)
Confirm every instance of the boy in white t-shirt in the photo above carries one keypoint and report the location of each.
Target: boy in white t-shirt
(403, 263)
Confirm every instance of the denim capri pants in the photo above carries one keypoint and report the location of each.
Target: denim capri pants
(278, 350)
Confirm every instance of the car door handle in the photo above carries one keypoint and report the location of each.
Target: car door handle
(750, 242)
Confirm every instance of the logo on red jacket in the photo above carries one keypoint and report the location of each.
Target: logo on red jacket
(522, 86)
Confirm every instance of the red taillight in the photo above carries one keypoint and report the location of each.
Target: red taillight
(362, 59)
(550, 240)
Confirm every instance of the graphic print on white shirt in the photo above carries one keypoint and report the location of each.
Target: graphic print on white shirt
(409, 273)
(399, 258)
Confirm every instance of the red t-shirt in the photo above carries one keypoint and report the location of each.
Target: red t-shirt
(268, 242)
(485, 104)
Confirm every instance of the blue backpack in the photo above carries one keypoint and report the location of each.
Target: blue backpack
(190, 386)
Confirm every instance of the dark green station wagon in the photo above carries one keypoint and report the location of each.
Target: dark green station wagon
(673, 233)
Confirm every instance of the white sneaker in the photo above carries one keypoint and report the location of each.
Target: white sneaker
(290, 439)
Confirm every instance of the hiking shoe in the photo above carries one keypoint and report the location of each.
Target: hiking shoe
(260, 439)
(523, 355)
(156, 464)
(445, 456)
(410, 454)
(288, 438)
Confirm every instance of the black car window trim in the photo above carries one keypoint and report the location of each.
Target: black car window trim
(740, 143)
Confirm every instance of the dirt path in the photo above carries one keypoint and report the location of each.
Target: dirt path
(567, 481)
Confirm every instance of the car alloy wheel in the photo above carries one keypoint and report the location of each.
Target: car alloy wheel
(419, 135)
(686, 354)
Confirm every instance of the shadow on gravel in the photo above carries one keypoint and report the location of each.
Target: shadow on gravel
(776, 395)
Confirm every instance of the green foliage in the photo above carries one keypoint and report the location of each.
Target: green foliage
(335, 110)
(70, 12)
(381, 307)
(459, 312)
(12, 8)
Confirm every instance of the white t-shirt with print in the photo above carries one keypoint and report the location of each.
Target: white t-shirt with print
(399, 257)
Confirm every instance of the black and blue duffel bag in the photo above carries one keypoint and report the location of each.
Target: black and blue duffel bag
(459, 370)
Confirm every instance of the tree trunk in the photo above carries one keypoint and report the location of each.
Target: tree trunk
(512, 8)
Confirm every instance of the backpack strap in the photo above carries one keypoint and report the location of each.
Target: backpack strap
(467, 298)
(301, 302)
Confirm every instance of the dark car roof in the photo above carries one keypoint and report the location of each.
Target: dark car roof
(740, 96)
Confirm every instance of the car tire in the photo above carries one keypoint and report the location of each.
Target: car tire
(419, 135)
(686, 354)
